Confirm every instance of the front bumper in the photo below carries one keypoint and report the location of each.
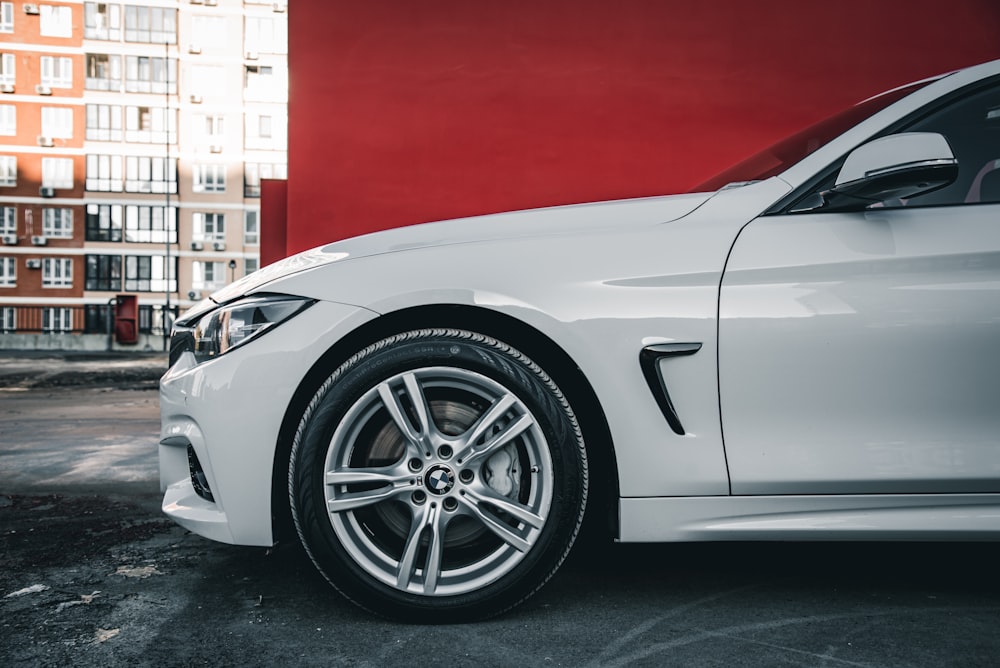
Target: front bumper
(227, 413)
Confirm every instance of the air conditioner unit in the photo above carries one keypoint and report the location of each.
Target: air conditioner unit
(194, 294)
(45, 141)
(6, 88)
(9, 239)
(197, 245)
(30, 8)
(46, 191)
(252, 55)
(43, 90)
(279, 8)
(197, 2)
(38, 240)
(33, 263)
(215, 148)
(211, 3)
(194, 48)
(219, 246)
(196, 99)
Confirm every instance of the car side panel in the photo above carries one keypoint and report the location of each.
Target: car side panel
(858, 352)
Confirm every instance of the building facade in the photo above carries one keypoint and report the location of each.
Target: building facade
(133, 138)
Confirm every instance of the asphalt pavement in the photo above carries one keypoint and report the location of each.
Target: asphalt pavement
(25, 369)
(94, 574)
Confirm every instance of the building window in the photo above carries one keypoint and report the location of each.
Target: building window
(208, 275)
(56, 21)
(8, 120)
(210, 32)
(151, 25)
(262, 85)
(264, 127)
(102, 21)
(145, 174)
(104, 222)
(8, 170)
(57, 223)
(104, 72)
(57, 272)
(149, 125)
(266, 131)
(145, 273)
(104, 272)
(251, 228)
(250, 265)
(8, 72)
(57, 173)
(6, 17)
(146, 74)
(8, 319)
(104, 173)
(149, 224)
(209, 178)
(57, 122)
(253, 172)
(151, 319)
(211, 128)
(57, 319)
(8, 272)
(209, 226)
(8, 220)
(104, 122)
(266, 35)
(95, 318)
(57, 72)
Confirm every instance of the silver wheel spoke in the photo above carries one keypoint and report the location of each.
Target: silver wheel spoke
(388, 475)
(391, 401)
(515, 510)
(503, 532)
(432, 569)
(393, 482)
(473, 452)
(428, 519)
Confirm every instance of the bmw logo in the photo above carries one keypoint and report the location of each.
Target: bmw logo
(440, 479)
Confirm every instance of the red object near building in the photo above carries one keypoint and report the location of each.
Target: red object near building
(127, 319)
(402, 112)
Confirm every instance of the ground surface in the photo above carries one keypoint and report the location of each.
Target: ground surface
(93, 574)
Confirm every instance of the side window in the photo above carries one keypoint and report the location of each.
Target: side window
(972, 127)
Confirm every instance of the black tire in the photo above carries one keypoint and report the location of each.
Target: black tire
(455, 511)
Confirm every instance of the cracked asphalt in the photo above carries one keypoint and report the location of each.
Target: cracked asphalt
(93, 574)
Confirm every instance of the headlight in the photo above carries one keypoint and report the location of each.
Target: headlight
(233, 325)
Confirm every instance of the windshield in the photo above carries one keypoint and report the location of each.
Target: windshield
(779, 157)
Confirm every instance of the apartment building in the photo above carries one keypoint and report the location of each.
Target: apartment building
(133, 138)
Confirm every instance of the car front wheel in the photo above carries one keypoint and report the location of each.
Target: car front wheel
(438, 475)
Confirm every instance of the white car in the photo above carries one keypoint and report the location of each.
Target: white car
(808, 348)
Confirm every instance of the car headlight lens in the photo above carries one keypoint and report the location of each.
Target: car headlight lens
(233, 325)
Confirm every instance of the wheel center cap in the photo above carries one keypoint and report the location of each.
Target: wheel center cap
(439, 479)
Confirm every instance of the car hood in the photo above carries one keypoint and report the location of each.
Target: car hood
(553, 221)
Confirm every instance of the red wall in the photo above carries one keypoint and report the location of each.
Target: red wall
(402, 112)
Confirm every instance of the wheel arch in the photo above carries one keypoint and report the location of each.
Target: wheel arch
(601, 519)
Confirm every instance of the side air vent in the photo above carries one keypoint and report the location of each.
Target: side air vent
(649, 361)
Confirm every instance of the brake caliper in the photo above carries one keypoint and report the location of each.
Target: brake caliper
(501, 473)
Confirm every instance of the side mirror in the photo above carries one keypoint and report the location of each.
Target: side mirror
(894, 167)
